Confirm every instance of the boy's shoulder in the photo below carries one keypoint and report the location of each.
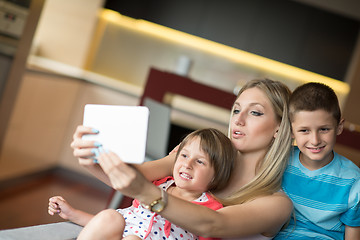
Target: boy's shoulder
(340, 166)
(346, 166)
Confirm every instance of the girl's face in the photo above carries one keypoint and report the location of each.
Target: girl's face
(192, 170)
(253, 124)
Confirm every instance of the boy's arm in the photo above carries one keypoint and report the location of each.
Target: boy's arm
(352, 233)
(352, 216)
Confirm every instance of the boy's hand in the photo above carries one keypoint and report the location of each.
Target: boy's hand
(58, 205)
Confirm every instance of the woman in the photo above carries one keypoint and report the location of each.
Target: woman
(256, 208)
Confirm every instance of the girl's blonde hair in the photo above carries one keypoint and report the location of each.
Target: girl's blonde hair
(270, 170)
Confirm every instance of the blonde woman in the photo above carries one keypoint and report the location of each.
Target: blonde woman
(256, 208)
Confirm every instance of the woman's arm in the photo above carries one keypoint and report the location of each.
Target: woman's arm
(265, 215)
(157, 169)
(82, 149)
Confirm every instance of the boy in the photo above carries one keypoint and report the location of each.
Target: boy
(324, 186)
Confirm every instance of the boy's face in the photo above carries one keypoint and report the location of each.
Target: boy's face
(192, 170)
(315, 134)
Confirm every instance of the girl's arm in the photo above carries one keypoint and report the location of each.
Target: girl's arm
(352, 233)
(265, 215)
(58, 205)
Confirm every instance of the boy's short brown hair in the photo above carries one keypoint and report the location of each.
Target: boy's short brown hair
(314, 96)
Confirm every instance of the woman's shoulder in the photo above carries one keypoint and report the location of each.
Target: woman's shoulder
(277, 197)
(278, 203)
(276, 209)
(266, 214)
(281, 196)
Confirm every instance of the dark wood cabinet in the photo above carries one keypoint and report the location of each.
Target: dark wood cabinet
(286, 31)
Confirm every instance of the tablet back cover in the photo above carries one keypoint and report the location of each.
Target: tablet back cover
(122, 129)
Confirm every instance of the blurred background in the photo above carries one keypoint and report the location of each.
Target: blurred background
(58, 55)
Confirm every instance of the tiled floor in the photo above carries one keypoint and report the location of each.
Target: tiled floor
(24, 202)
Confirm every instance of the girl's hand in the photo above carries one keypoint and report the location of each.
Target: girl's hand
(58, 205)
(84, 149)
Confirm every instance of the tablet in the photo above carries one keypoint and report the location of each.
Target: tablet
(122, 129)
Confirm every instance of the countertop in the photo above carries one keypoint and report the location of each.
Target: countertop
(185, 112)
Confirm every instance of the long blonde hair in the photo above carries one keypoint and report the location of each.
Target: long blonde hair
(270, 170)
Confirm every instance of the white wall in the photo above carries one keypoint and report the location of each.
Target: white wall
(46, 113)
(65, 30)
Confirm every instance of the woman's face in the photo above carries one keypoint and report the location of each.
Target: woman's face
(253, 123)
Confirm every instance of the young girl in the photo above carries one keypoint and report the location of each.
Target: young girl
(203, 163)
(256, 207)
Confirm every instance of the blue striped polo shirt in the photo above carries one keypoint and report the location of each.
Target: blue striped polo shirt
(325, 200)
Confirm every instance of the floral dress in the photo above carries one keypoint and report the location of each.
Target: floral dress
(149, 225)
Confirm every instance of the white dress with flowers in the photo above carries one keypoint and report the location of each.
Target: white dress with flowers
(149, 225)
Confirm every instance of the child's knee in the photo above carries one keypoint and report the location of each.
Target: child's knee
(132, 237)
(111, 216)
(107, 224)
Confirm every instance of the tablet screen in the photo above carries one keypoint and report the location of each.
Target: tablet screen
(122, 129)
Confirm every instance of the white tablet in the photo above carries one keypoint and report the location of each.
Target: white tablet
(122, 129)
